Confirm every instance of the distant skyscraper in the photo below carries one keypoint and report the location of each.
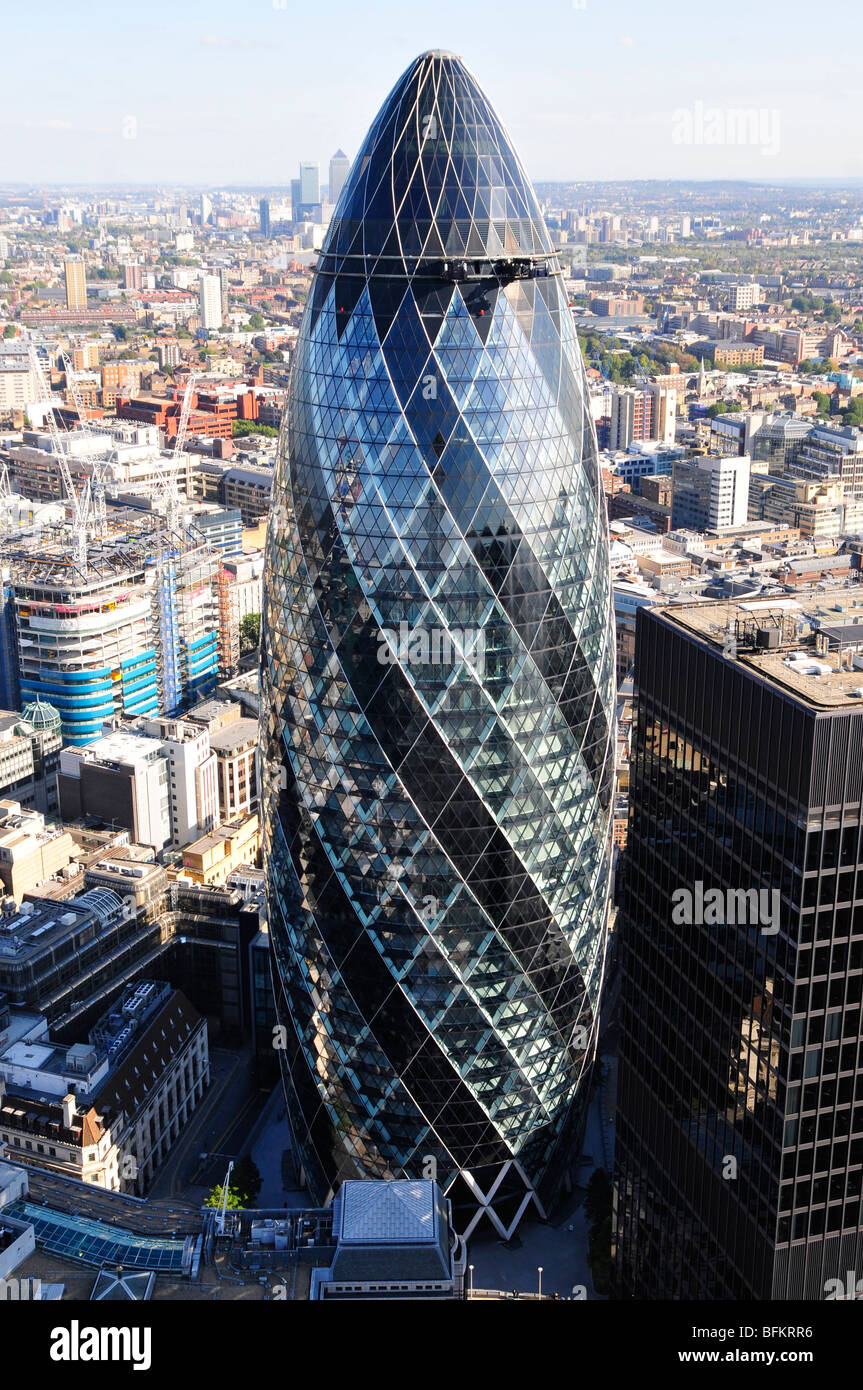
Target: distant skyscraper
(739, 1130)
(310, 184)
(76, 284)
(438, 678)
(210, 298)
(340, 167)
(133, 276)
(264, 216)
(206, 209)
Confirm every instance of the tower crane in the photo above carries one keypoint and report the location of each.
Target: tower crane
(168, 488)
(77, 398)
(97, 480)
(80, 502)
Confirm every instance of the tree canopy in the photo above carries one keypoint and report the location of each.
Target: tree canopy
(250, 633)
(214, 1198)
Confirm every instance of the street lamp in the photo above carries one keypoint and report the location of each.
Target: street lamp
(470, 1281)
(539, 1272)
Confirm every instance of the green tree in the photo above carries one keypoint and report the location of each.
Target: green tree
(240, 428)
(853, 413)
(214, 1198)
(5, 277)
(822, 400)
(256, 320)
(246, 1177)
(10, 331)
(121, 333)
(250, 633)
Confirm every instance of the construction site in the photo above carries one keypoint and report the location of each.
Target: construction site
(110, 610)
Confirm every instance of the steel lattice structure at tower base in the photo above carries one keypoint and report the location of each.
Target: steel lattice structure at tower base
(438, 678)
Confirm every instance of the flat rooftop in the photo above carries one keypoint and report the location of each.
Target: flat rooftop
(809, 663)
(235, 735)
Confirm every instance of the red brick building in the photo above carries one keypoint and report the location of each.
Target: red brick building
(213, 411)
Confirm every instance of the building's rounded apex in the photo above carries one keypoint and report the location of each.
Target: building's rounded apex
(405, 200)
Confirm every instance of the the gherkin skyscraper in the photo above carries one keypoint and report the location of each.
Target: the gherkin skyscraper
(438, 677)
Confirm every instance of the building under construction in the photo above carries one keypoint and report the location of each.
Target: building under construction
(111, 617)
(134, 630)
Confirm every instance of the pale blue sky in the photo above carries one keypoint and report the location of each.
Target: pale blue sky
(228, 93)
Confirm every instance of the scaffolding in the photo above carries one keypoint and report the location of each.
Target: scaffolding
(229, 624)
(168, 639)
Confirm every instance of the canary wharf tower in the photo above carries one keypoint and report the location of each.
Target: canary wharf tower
(437, 684)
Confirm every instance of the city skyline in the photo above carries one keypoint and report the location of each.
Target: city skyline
(642, 96)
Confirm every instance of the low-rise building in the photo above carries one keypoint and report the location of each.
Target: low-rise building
(192, 772)
(249, 488)
(212, 858)
(30, 850)
(393, 1240)
(106, 1111)
(122, 778)
(236, 749)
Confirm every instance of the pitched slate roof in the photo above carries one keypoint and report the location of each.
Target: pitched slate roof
(130, 1086)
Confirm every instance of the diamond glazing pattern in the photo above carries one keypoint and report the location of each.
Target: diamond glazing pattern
(438, 676)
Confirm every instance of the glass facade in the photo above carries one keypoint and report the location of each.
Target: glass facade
(438, 677)
(739, 1129)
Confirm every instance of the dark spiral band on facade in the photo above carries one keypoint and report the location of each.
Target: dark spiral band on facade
(438, 678)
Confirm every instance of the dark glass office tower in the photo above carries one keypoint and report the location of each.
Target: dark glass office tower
(740, 1099)
(438, 677)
